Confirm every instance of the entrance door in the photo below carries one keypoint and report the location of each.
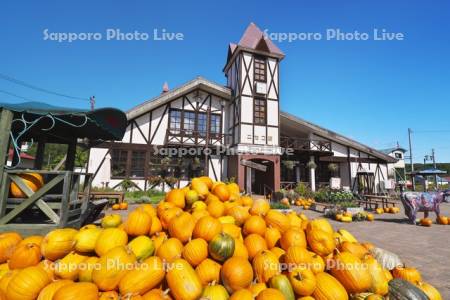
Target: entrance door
(260, 181)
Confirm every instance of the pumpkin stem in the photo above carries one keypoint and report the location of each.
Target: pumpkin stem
(166, 292)
(299, 276)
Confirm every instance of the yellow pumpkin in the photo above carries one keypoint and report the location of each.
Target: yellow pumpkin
(239, 213)
(247, 201)
(215, 292)
(113, 220)
(236, 274)
(138, 223)
(85, 273)
(293, 237)
(242, 295)
(240, 249)
(73, 291)
(110, 238)
(233, 188)
(142, 247)
(170, 250)
(107, 275)
(6, 278)
(278, 252)
(328, 287)
(49, 267)
(216, 208)
(162, 207)
(182, 226)
(86, 239)
(195, 251)
(198, 214)
(176, 197)
(355, 248)
(50, 290)
(272, 236)
(183, 281)
(27, 284)
(321, 242)
(25, 255)
(255, 224)
(294, 220)
(379, 283)
(351, 272)
(430, 291)
(58, 243)
(198, 206)
(33, 180)
(303, 281)
(270, 294)
(260, 207)
(68, 267)
(277, 220)
(4, 268)
(232, 230)
(207, 228)
(111, 295)
(148, 208)
(226, 220)
(156, 226)
(317, 264)
(200, 187)
(320, 224)
(159, 238)
(208, 271)
(254, 244)
(32, 239)
(257, 287)
(265, 265)
(145, 277)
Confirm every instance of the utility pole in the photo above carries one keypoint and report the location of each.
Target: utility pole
(92, 101)
(434, 159)
(411, 159)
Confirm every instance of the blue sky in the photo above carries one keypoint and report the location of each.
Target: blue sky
(371, 91)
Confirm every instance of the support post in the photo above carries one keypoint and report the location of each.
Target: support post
(6, 118)
(70, 156)
(40, 154)
(312, 175)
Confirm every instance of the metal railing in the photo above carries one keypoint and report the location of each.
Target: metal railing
(305, 144)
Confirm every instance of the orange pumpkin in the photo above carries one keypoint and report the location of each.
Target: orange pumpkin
(293, 237)
(247, 201)
(157, 294)
(32, 239)
(168, 215)
(123, 205)
(200, 187)
(25, 255)
(270, 294)
(110, 238)
(328, 287)
(355, 248)
(254, 244)
(182, 226)
(272, 236)
(170, 250)
(208, 181)
(156, 226)
(242, 295)
(351, 272)
(442, 220)
(27, 284)
(320, 241)
(222, 192)
(216, 209)
(145, 277)
(278, 252)
(303, 281)
(236, 274)
(33, 180)
(256, 288)
(106, 275)
(73, 291)
(183, 282)
(266, 266)
(111, 295)
(430, 291)
(6, 278)
(68, 267)
(195, 251)
(260, 207)
(427, 222)
(163, 206)
(298, 256)
(8, 242)
(138, 223)
(240, 249)
(232, 230)
(207, 228)
(50, 290)
(159, 238)
(85, 273)
(176, 196)
(116, 206)
(255, 224)
(277, 220)
(208, 271)
(407, 273)
(239, 213)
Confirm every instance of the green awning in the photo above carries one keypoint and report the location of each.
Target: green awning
(62, 123)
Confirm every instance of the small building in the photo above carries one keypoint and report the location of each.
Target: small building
(236, 131)
(397, 169)
(26, 160)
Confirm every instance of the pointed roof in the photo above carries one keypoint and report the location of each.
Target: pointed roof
(254, 38)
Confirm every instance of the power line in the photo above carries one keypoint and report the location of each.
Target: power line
(25, 84)
(15, 95)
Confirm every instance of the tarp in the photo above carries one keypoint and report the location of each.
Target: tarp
(63, 123)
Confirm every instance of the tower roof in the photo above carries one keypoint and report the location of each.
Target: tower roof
(255, 39)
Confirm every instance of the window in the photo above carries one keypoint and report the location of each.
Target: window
(215, 124)
(175, 121)
(259, 111)
(137, 164)
(398, 155)
(260, 69)
(189, 122)
(201, 124)
(119, 160)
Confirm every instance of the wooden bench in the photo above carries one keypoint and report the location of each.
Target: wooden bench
(375, 200)
(118, 197)
(321, 207)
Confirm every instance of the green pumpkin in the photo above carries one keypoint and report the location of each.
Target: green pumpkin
(400, 289)
(281, 283)
(221, 247)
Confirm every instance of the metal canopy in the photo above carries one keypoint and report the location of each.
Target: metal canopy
(428, 172)
(33, 120)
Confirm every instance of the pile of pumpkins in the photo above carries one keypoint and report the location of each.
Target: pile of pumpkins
(305, 203)
(120, 206)
(388, 210)
(347, 217)
(204, 241)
